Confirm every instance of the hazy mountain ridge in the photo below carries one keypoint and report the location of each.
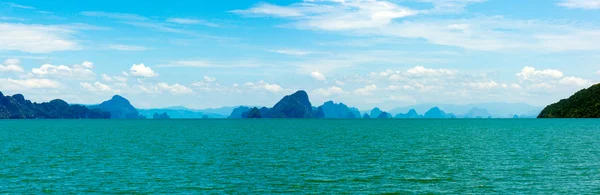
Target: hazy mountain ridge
(495, 109)
(477, 113)
(222, 111)
(179, 113)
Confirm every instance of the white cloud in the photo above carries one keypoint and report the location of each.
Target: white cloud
(515, 86)
(191, 21)
(170, 28)
(334, 15)
(209, 79)
(415, 86)
(175, 89)
(14, 84)
(366, 91)
(108, 78)
(413, 73)
(97, 87)
(190, 63)
(183, 21)
(420, 71)
(262, 85)
(334, 90)
(120, 79)
(80, 72)
(144, 89)
(396, 77)
(36, 38)
(548, 81)
(291, 52)
(14, 5)
(544, 86)
(485, 85)
(87, 64)
(496, 33)
(273, 88)
(381, 18)
(210, 86)
(140, 70)
(581, 4)
(123, 16)
(270, 10)
(393, 88)
(338, 82)
(399, 87)
(384, 74)
(443, 6)
(569, 41)
(11, 18)
(461, 27)
(402, 98)
(210, 64)
(11, 65)
(128, 47)
(317, 76)
(575, 82)
(530, 73)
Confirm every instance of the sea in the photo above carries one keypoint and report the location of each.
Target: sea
(304, 156)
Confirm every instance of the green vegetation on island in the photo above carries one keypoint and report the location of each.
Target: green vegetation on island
(583, 104)
(17, 107)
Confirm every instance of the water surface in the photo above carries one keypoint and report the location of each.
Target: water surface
(300, 156)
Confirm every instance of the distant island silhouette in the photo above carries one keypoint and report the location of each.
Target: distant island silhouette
(17, 107)
(296, 105)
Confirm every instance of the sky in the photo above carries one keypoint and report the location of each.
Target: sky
(208, 54)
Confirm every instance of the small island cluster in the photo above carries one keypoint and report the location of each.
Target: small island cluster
(583, 104)
(17, 107)
(298, 105)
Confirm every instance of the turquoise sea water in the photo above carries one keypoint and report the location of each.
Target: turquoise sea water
(300, 156)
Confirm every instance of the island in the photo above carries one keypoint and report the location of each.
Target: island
(583, 104)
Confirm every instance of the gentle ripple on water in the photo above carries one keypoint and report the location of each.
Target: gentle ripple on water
(300, 156)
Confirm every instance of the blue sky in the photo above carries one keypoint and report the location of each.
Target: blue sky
(203, 54)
